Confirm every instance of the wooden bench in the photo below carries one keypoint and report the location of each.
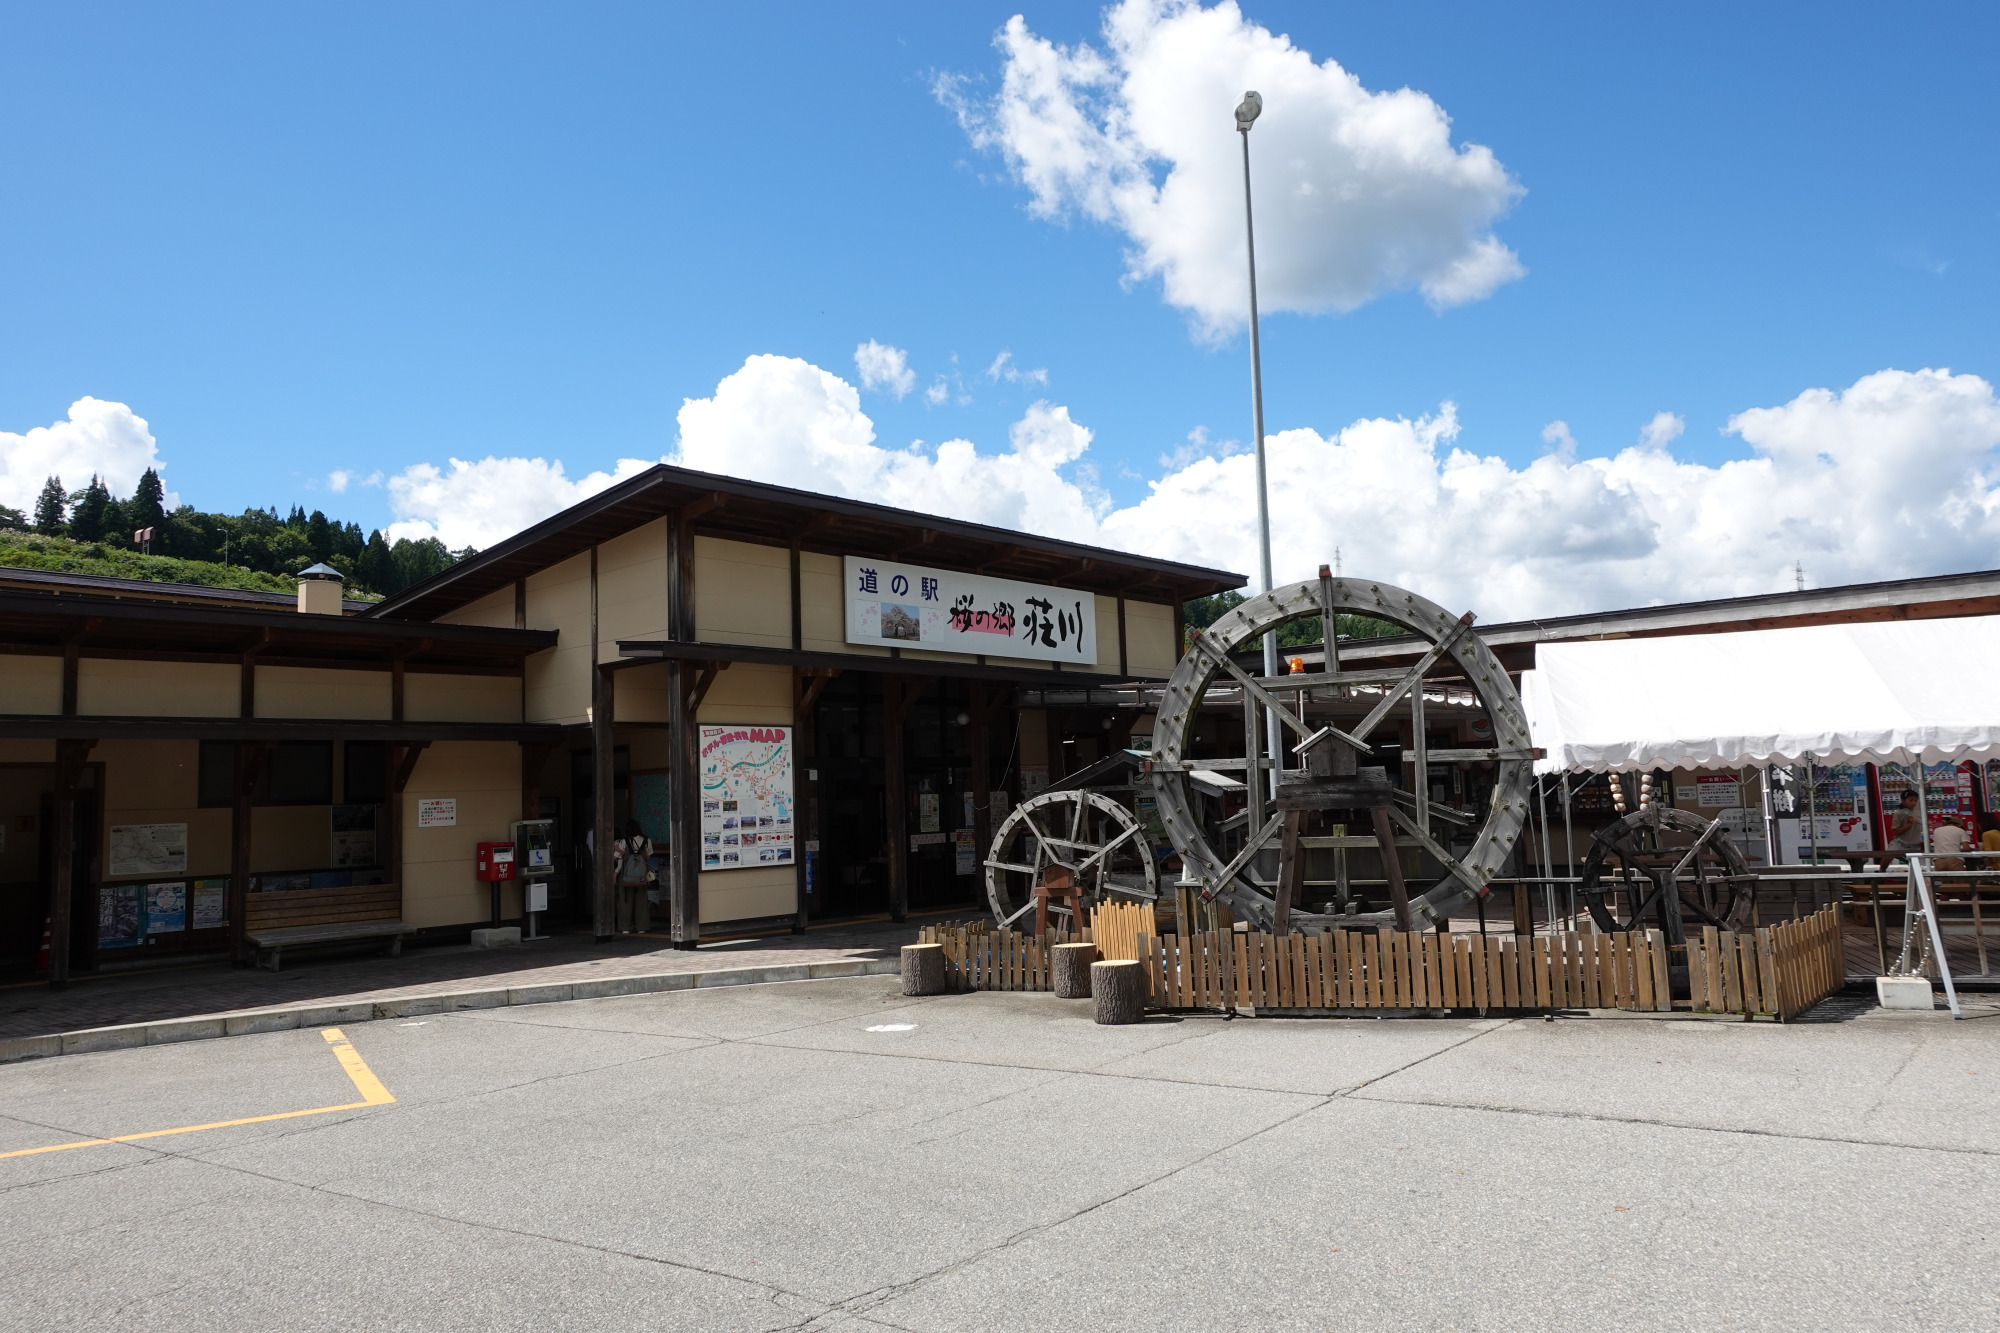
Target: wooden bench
(274, 922)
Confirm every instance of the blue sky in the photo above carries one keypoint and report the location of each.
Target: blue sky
(297, 240)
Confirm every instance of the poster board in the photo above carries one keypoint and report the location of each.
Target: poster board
(147, 849)
(747, 808)
(352, 842)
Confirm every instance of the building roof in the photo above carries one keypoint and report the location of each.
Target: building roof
(48, 621)
(154, 590)
(1934, 597)
(719, 506)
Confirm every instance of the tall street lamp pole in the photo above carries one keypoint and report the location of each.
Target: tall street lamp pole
(1247, 112)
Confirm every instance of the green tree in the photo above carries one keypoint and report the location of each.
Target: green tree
(51, 508)
(13, 518)
(1301, 633)
(86, 513)
(377, 567)
(147, 507)
(319, 537)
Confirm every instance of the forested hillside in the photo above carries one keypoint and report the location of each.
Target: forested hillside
(91, 531)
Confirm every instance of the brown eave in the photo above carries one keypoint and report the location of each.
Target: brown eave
(776, 515)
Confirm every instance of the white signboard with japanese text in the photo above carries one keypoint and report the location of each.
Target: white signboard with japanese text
(746, 798)
(437, 812)
(891, 605)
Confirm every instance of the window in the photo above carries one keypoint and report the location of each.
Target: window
(364, 779)
(294, 773)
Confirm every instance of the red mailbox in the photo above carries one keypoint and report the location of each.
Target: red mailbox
(496, 862)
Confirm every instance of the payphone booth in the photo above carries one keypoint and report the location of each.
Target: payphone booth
(534, 866)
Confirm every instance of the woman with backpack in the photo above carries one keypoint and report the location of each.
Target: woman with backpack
(632, 868)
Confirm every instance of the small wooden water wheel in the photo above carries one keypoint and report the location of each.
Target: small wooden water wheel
(1059, 854)
(1664, 862)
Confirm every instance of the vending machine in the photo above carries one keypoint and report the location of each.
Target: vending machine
(1947, 792)
(1831, 818)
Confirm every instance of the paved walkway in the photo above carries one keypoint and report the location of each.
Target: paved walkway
(31, 1009)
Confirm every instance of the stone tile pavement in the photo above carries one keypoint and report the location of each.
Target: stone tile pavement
(31, 1009)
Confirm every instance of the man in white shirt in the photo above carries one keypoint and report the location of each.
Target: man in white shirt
(1948, 840)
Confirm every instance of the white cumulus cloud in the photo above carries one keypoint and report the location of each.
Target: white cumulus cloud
(98, 437)
(478, 504)
(1896, 475)
(783, 420)
(1358, 193)
(884, 367)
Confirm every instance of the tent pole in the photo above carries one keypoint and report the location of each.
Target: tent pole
(1569, 850)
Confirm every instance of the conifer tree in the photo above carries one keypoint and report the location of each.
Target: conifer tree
(50, 508)
(86, 514)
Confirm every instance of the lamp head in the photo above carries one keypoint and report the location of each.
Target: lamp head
(1248, 110)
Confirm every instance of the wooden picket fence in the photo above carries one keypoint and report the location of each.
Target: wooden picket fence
(1118, 927)
(1779, 971)
(1782, 970)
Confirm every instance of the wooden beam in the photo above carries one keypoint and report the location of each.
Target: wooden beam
(699, 691)
(70, 756)
(709, 503)
(250, 757)
(684, 851)
(246, 703)
(408, 765)
(72, 658)
(520, 604)
(1001, 556)
(925, 537)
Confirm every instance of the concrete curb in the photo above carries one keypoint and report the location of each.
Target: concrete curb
(129, 1035)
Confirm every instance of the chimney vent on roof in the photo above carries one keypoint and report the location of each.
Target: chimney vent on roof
(319, 591)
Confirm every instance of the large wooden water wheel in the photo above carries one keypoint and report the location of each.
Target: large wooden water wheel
(1326, 771)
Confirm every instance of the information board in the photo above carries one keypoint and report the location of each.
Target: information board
(147, 849)
(747, 810)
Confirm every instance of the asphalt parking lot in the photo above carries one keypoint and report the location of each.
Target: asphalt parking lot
(829, 1154)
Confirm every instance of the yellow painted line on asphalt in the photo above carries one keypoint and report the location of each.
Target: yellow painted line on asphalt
(364, 1080)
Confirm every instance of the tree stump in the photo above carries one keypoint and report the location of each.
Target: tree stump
(1119, 988)
(1069, 970)
(923, 969)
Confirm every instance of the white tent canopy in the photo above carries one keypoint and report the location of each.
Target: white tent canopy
(1891, 693)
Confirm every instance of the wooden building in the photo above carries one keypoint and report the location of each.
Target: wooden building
(166, 753)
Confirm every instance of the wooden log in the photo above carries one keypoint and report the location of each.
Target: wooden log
(923, 969)
(1118, 991)
(1069, 970)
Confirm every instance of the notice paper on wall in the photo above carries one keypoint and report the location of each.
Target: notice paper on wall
(746, 797)
(166, 908)
(962, 846)
(147, 849)
(211, 904)
(437, 812)
(1718, 792)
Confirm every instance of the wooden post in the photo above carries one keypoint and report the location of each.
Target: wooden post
(69, 769)
(603, 814)
(250, 756)
(806, 689)
(1392, 866)
(1291, 872)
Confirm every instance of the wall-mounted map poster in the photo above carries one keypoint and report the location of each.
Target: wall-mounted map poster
(746, 797)
(147, 849)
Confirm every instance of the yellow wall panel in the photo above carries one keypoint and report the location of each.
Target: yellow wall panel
(120, 687)
(438, 698)
(30, 684)
(27, 752)
(158, 782)
(822, 612)
(1150, 649)
(320, 692)
(632, 588)
(495, 611)
(485, 779)
(558, 679)
(743, 593)
(738, 895)
(750, 693)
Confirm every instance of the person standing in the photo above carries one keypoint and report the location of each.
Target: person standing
(632, 861)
